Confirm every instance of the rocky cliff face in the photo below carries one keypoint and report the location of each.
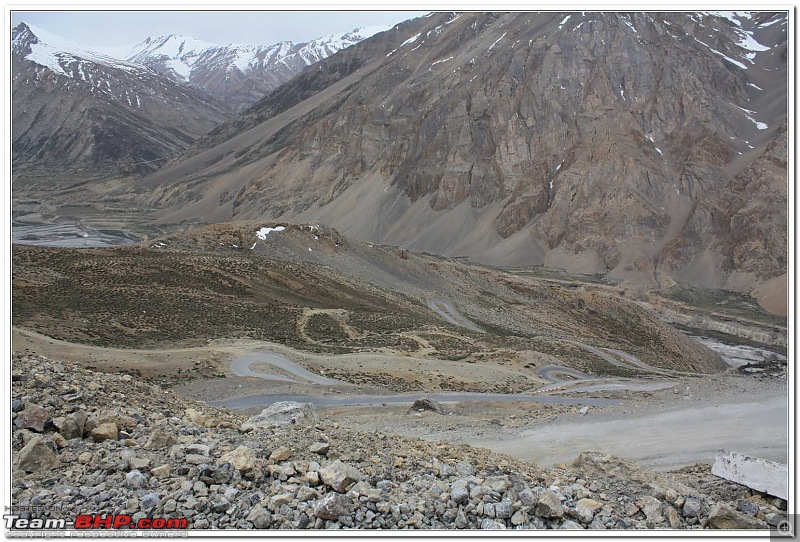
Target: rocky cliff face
(78, 111)
(598, 142)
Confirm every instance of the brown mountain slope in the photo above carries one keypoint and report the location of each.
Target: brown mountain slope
(76, 112)
(585, 141)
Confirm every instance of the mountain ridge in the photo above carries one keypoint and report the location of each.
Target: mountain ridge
(75, 111)
(237, 73)
(585, 143)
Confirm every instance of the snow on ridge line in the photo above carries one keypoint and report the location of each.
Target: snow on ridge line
(50, 48)
(263, 232)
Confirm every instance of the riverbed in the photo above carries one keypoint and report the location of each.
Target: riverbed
(65, 235)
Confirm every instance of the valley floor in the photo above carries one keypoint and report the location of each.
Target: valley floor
(677, 421)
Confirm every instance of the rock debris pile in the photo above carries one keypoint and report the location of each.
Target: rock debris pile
(93, 443)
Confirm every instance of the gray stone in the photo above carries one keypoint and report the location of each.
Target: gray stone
(597, 525)
(320, 448)
(199, 449)
(460, 495)
(423, 403)
(339, 476)
(149, 501)
(492, 525)
(461, 520)
(33, 417)
(527, 497)
(200, 489)
(722, 516)
(225, 473)
(72, 426)
(549, 505)
(519, 518)
(159, 440)
(773, 520)
(36, 456)
(583, 514)
(465, 469)
(259, 517)
(502, 510)
(693, 507)
(218, 504)
(478, 491)
(282, 413)
(498, 483)
(306, 494)
(135, 480)
(570, 525)
(332, 506)
(748, 507)
(651, 508)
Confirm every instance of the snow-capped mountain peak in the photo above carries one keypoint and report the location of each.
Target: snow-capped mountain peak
(59, 54)
(241, 74)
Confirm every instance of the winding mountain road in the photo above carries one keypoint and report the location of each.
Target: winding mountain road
(446, 309)
(243, 367)
(252, 401)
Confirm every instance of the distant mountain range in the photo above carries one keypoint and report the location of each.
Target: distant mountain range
(238, 74)
(126, 110)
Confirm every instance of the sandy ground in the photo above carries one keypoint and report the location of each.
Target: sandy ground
(662, 439)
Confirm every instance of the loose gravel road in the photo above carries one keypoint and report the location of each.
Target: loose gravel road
(242, 367)
(446, 309)
(251, 401)
(662, 439)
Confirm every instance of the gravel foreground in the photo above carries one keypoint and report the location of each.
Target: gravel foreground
(86, 442)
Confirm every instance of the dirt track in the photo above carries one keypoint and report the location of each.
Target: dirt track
(663, 439)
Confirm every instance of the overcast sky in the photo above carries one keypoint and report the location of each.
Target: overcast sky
(220, 27)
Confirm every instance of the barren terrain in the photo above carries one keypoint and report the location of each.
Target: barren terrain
(241, 318)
